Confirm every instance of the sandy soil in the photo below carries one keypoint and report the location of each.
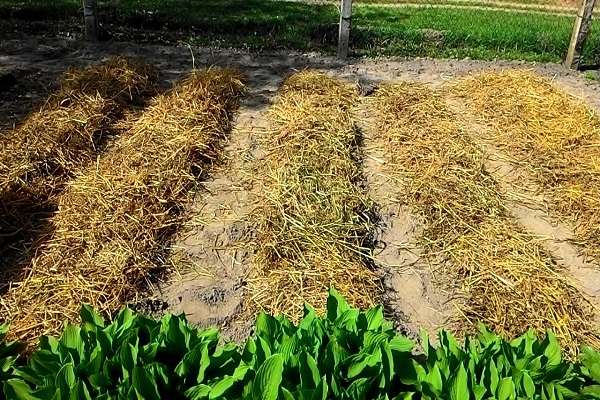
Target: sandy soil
(209, 287)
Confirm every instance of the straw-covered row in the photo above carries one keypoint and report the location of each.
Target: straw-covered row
(69, 126)
(511, 282)
(116, 217)
(555, 136)
(315, 221)
(38, 156)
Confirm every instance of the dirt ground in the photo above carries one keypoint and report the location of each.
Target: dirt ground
(217, 245)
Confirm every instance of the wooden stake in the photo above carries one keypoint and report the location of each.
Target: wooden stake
(344, 37)
(580, 34)
(90, 16)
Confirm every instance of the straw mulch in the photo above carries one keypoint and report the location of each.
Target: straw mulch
(510, 280)
(38, 156)
(115, 219)
(68, 127)
(315, 222)
(555, 136)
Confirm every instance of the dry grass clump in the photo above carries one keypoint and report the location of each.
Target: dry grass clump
(120, 79)
(115, 218)
(38, 156)
(554, 135)
(511, 281)
(69, 126)
(315, 222)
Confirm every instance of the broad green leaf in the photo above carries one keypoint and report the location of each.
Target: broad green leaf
(46, 392)
(552, 349)
(143, 384)
(358, 389)
(401, 344)
(387, 365)
(80, 392)
(434, 378)
(286, 324)
(65, 379)
(204, 362)
(198, 392)
(494, 377)
(267, 325)
(372, 339)
(309, 372)
(449, 344)
(71, 339)
(287, 395)
(591, 359)
(249, 350)
(99, 381)
(263, 350)
(16, 389)
(221, 387)
(90, 317)
(506, 390)
(336, 305)
(357, 363)
(592, 392)
(528, 385)
(375, 318)
(190, 363)
(241, 370)
(459, 389)
(321, 392)
(348, 320)
(128, 359)
(268, 378)
(479, 392)
(288, 347)
(94, 365)
(4, 328)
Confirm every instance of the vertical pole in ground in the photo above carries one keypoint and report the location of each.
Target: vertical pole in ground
(580, 34)
(90, 17)
(344, 37)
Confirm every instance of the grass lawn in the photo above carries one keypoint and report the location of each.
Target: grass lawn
(478, 34)
(268, 24)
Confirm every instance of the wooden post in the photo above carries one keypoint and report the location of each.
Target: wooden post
(90, 16)
(580, 34)
(344, 37)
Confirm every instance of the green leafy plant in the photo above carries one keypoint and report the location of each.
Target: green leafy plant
(492, 368)
(346, 354)
(133, 357)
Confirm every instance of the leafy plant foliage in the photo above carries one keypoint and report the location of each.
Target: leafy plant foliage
(346, 354)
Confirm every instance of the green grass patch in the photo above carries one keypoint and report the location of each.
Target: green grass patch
(478, 34)
(390, 31)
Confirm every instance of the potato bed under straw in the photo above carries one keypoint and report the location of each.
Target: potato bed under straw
(314, 222)
(510, 280)
(553, 135)
(38, 156)
(116, 217)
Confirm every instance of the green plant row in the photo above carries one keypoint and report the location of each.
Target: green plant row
(346, 354)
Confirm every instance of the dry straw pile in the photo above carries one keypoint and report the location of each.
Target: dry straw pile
(552, 134)
(510, 281)
(69, 126)
(38, 156)
(315, 221)
(116, 217)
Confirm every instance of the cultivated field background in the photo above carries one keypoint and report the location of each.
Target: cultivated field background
(536, 30)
